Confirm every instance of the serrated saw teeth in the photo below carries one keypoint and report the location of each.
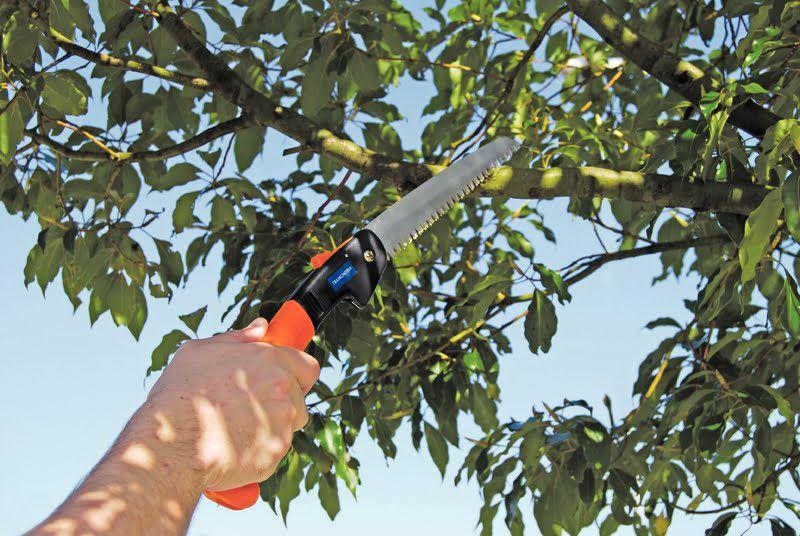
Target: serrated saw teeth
(409, 217)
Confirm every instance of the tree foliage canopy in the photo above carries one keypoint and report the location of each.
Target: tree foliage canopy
(679, 115)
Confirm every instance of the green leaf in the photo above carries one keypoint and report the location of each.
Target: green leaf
(483, 409)
(791, 319)
(192, 320)
(721, 524)
(364, 71)
(778, 141)
(530, 451)
(762, 439)
(330, 438)
(781, 528)
(486, 516)
(663, 322)
(791, 203)
(19, 40)
(289, 486)
(383, 138)
(66, 15)
(127, 305)
(65, 94)
(784, 408)
(169, 343)
(222, 213)
(519, 243)
(171, 261)
(553, 282)
(183, 215)
(754, 54)
(406, 262)
(12, 126)
(754, 88)
(49, 263)
(437, 447)
(540, 323)
(177, 175)
(317, 88)
(586, 489)
(328, 494)
(758, 229)
(98, 303)
(248, 145)
(353, 411)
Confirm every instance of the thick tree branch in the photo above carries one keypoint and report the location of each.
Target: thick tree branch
(660, 190)
(108, 60)
(651, 188)
(680, 75)
(205, 137)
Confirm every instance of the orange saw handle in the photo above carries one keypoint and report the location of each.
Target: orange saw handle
(350, 273)
(292, 327)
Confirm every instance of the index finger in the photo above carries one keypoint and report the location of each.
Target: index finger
(298, 363)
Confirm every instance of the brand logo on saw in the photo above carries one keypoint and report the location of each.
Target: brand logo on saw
(342, 275)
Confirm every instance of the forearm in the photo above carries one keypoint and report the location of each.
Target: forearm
(220, 416)
(145, 484)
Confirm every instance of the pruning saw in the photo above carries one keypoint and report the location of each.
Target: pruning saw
(351, 272)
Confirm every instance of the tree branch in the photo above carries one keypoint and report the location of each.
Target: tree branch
(108, 60)
(680, 75)
(595, 262)
(790, 465)
(651, 188)
(429, 63)
(205, 137)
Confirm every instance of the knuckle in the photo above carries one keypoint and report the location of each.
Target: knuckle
(286, 412)
(280, 385)
(309, 367)
(313, 367)
(281, 412)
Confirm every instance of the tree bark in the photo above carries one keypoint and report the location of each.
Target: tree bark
(682, 76)
(651, 188)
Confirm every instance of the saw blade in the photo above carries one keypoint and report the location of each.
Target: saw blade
(416, 211)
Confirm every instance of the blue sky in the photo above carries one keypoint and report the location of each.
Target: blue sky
(67, 389)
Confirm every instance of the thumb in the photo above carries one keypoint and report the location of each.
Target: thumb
(254, 332)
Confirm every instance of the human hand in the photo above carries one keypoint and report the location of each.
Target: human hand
(231, 404)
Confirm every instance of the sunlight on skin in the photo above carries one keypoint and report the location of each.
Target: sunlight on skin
(222, 415)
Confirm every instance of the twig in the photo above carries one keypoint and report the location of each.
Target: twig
(622, 232)
(790, 464)
(90, 137)
(322, 207)
(140, 9)
(291, 255)
(592, 263)
(490, 118)
(430, 63)
(205, 137)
